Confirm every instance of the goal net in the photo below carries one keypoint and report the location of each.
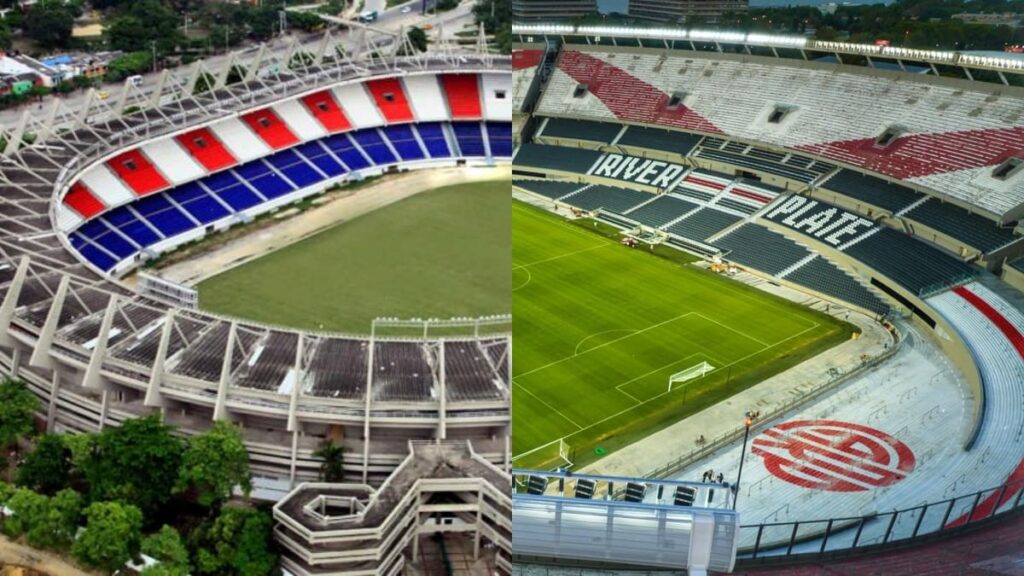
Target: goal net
(690, 373)
(565, 454)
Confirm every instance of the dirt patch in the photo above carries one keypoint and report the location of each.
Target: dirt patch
(20, 560)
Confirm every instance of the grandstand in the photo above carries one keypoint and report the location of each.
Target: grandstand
(891, 196)
(96, 192)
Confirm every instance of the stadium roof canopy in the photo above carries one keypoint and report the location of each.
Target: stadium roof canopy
(799, 46)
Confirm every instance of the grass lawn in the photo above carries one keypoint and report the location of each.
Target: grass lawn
(599, 329)
(438, 254)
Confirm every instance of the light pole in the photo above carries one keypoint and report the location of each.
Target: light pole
(743, 456)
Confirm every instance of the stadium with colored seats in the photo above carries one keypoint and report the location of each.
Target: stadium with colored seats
(90, 196)
(802, 269)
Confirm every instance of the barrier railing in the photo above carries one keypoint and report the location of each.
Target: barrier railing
(780, 540)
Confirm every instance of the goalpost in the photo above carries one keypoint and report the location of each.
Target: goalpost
(690, 373)
(547, 454)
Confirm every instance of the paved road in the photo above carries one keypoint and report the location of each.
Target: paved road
(391, 20)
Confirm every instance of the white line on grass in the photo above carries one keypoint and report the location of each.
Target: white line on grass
(529, 278)
(560, 256)
(613, 341)
(733, 330)
(651, 399)
(541, 400)
(577, 350)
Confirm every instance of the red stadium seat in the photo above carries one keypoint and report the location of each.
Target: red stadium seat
(390, 99)
(80, 199)
(463, 92)
(323, 107)
(202, 145)
(135, 170)
(270, 128)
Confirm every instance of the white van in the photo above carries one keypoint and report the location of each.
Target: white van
(135, 80)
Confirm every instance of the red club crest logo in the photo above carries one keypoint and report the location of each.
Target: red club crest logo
(832, 455)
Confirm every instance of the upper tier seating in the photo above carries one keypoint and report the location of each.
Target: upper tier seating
(659, 139)
(603, 132)
(524, 65)
(960, 224)
(163, 219)
(874, 191)
(949, 138)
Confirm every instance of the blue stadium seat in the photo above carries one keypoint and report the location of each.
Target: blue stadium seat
(93, 229)
(198, 203)
(404, 141)
(373, 144)
(471, 140)
(344, 149)
(116, 245)
(314, 152)
(170, 222)
(140, 233)
(272, 185)
(239, 197)
(500, 137)
(97, 257)
(295, 168)
(220, 181)
(432, 134)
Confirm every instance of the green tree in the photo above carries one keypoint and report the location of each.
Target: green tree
(166, 546)
(136, 463)
(48, 23)
(418, 39)
(239, 542)
(28, 509)
(214, 463)
(48, 467)
(57, 527)
(332, 469)
(112, 535)
(143, 23)
(17, 406)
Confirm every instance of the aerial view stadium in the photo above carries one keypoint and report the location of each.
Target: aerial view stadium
(767, 302)
(308, 243)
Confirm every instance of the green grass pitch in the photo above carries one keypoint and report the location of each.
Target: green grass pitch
(438, 254)
(599, 328)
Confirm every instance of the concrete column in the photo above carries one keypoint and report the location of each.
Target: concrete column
(11, 301)
(156, 373)
(295, 458)
(51, 410)
(41, 353)
(293, 402)
(220, 409)
(15, 361)
(92, 378)
(366, 419)
(442, 414)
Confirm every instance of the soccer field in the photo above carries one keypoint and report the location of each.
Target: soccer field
(438, 254)
(599, 329)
